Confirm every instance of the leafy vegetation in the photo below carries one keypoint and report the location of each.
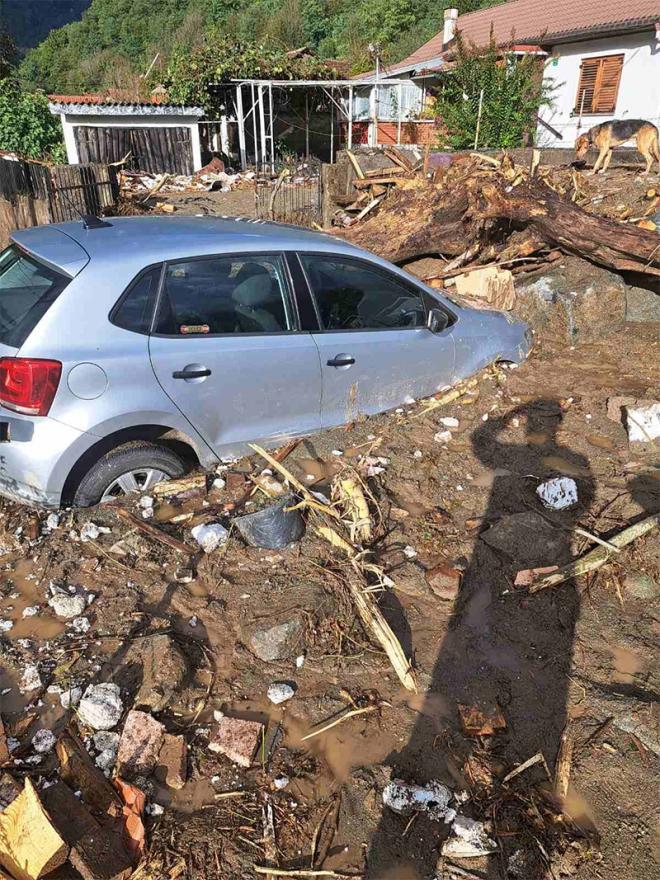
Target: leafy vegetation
(117, 40)
(27, 126)
(510, 90)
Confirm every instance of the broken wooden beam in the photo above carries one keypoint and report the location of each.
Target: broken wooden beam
(155, 533)
(30, 846)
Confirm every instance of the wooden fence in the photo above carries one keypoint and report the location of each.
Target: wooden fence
(32, 193)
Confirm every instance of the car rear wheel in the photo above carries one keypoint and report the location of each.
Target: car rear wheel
(134, 467)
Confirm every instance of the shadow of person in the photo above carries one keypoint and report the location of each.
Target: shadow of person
(504, 649)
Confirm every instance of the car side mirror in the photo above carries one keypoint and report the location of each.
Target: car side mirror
(437, 320)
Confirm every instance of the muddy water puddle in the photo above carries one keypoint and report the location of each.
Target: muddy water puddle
(626, 664)
(24, 594)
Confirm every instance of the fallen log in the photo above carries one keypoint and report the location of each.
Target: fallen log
(482, 213)
(562, 223)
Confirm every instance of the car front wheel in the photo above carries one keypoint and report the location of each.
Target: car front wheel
(133, 467)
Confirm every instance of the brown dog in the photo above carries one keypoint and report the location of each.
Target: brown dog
(617, 132)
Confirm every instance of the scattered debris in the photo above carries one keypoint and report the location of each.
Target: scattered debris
(238, 739)
(280, 692)
(210, 536)
(469, 839)
(139, 745)
(67, 605)
(476, 722)
(101, 707)
(558, 493)
(433, 799)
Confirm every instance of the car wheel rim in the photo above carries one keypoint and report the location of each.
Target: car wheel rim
(138, 480)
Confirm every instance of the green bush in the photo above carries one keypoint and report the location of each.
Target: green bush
(27, 126)
(513, 92)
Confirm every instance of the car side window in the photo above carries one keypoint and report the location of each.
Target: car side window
(232, 294)
(136, 307)
(354, 295)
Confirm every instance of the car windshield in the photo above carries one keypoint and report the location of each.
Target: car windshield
(27, 289)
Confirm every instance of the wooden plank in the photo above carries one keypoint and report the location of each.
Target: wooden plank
(155, 533)
(97, 853)
(362, 184)
(79, 771)
(30, 847)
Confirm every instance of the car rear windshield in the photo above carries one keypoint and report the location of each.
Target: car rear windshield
(27, 290)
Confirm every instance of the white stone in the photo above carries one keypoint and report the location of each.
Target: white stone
(300, 661)
(442, 437)
(417, 453)
(409, 552)
(558, 493)
(67, 606)
(449, 422)
(154, 810)
(432, 799)
(281, 781)
(219, 483)
(80, 625)
(52, 522)
(643, 423)
(280, 692)
(30, 611)
(468, 840)
(101, 706)
(146, 501)
(70, 697)
(89, 532)
(43, 741)
(6, 625)
(105, 739)
(30, 680)
(210, 536)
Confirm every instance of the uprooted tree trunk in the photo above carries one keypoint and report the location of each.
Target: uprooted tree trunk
(484, 214)
(561, 223)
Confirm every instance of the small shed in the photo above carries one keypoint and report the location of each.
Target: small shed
(155, 136)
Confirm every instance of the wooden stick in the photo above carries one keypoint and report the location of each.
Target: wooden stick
(350, 714)
(530, 762)
(356, 165)
(594, 559)
(279, 456)
(564, 762)
(155, 533)
(370, 614)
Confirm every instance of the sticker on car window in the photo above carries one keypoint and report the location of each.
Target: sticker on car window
(187, 329)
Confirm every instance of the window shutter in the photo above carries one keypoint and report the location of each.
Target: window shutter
(608, 85)
(599, 84)
(587, 87)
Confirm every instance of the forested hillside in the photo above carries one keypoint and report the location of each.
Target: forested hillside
(116, 40)
(30, 21)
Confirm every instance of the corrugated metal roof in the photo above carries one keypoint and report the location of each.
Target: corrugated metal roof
(540, 21)
(107, 105)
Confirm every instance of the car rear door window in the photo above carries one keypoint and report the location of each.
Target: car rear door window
(135, 309)
(247, 293)
(27, 289)
(351, 294)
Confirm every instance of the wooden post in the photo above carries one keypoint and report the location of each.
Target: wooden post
(481, 104)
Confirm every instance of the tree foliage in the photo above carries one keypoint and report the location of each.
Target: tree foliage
(27, 126)
(117, 38)
(513, 90)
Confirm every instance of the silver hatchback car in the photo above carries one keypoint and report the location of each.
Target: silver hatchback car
(133, 349)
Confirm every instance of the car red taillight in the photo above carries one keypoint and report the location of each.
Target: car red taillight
(28, 385)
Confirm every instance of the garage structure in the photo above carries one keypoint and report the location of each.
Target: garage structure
(154, 136)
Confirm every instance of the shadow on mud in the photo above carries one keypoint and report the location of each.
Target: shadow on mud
(503, 649)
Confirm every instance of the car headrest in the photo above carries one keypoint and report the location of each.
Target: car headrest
(254, 292)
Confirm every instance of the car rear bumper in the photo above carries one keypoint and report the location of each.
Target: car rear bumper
(37, 458)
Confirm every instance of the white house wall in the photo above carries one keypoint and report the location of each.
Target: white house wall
(639, 88)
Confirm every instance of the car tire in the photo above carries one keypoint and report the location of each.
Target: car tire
(122, 460)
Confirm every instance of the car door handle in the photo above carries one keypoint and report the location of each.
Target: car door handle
(191, 374)
(341, 360)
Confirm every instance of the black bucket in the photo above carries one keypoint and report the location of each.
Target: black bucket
(272, 527)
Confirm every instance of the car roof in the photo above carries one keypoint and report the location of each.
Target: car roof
(152, 239)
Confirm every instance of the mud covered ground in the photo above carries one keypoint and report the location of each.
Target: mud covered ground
(182, 636)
